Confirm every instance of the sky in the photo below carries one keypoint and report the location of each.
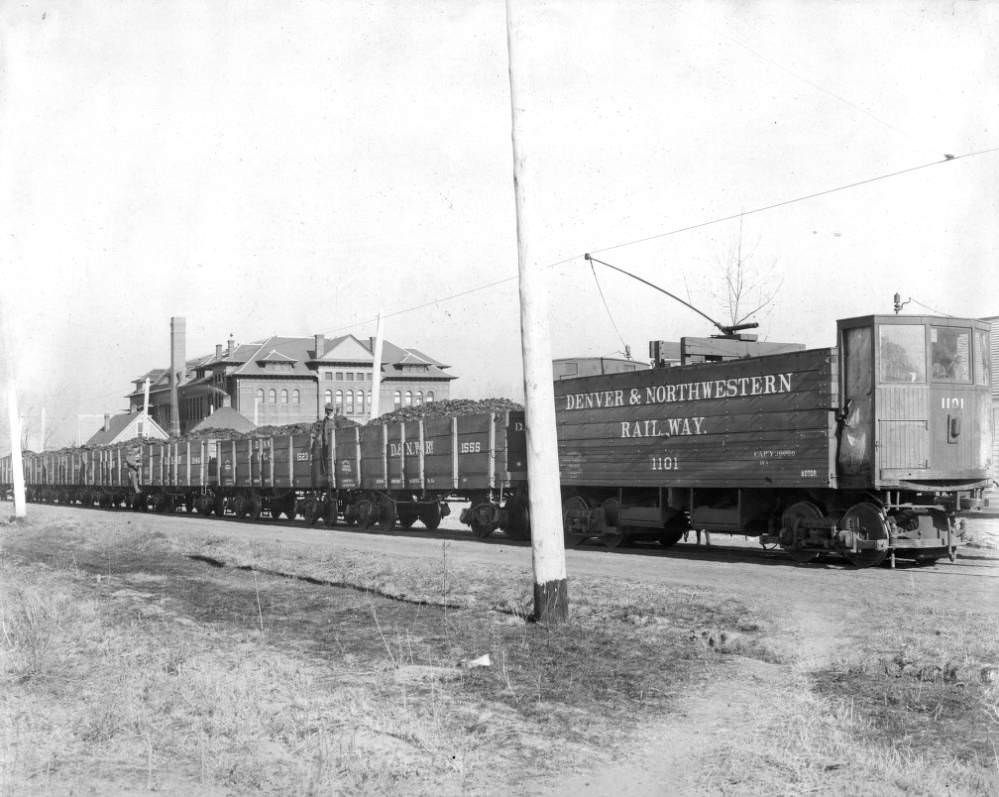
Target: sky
(300, 167)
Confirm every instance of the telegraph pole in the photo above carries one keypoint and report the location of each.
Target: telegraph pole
(376, 371)
(13, 419)
(551, 593)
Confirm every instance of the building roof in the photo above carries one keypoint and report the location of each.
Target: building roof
(225, 418)
(284, 356)
(125, 426)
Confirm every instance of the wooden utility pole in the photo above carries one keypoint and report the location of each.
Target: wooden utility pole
(376, 371)
(144, 425)
(16, 463)
(13, 419)
(551, 593)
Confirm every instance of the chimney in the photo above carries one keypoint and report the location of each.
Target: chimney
(178, 358)
(320, 346)
(107, 422)
(218, 351)
(232, 345)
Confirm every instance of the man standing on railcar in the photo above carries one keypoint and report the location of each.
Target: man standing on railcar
(133, 461)
(326, 434)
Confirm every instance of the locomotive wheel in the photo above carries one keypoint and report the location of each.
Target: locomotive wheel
(238, 506)
(518, 518)
(285, 505)
(331, 512)
(615, 539)
(431, 516)
(794, 514)
(670, 537)
(866, 522)
(675, 528)
(576, 515)
(365, 509)
(311, 510)
(407, 517)
(253, 508)
(386, 514)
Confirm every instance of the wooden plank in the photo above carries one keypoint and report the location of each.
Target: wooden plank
(762, 422)
(729, 349)
(348, 457)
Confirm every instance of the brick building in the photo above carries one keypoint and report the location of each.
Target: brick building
(284, 380)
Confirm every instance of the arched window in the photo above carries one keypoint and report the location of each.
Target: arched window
(296, 396)
(260, 395)
(430, 397)
(409, 398)
(338, 402)
(350, 402)
(327, 399)
(272, 396)
(369, 400)
(397, 399)
(284, 396)
(360, 402)
(419, 397)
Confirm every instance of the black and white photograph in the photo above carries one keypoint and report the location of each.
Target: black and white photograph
(499, 397)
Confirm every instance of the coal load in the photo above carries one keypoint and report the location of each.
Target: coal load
(449, 408)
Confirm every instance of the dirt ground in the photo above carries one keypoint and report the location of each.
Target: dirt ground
(822, 613)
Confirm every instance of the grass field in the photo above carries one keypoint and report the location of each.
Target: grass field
(134, 662)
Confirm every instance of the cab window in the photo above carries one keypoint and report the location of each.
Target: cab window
(982, 347)
(950, 350)
(903, 353)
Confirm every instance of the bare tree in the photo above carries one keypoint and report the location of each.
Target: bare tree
(31, 430)
(745, 290)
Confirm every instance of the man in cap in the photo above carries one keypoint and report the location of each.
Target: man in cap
(326, 434)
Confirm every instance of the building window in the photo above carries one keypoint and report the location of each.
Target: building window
(339, 376)
(360, 402)
(369, 400)
(328, 376)
(409, 398)
(284, 396)
(419, 397)
(296, 396)
(397, 399)
(350, 402)
(430, 397)
(350, 376)
(327, 397)
(260, 395)
(272, 396)
(339, 402)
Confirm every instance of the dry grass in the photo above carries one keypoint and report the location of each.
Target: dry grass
(126, 665)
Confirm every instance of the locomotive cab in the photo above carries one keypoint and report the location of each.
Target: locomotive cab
(915, 405)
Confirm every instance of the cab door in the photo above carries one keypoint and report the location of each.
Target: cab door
(958, 370)
(902, 399)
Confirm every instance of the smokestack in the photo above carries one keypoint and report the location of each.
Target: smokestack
(178, 357)
(232, 345)
(320, 346)
(218, 351)
(107, 422)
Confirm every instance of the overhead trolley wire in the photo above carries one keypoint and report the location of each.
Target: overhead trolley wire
(947, 158)
(607, 306)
